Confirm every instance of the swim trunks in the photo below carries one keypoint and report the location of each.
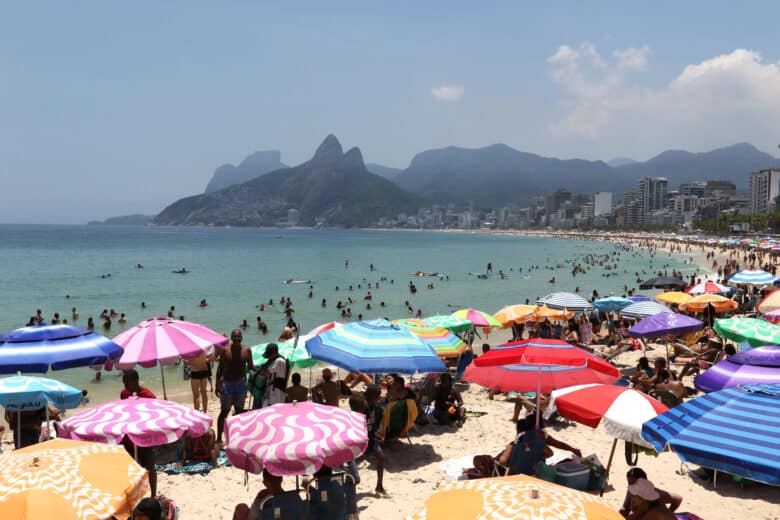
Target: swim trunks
(233, 394)
(199, 374)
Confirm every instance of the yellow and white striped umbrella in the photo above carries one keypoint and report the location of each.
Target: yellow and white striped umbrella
(515, 497)
(70, 480)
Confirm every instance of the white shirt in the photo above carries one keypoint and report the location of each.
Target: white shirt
(273, 395)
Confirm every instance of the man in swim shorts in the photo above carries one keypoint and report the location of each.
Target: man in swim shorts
(234, 363)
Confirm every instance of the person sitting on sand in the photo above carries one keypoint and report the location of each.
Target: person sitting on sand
(705, 360)
(643, 371)
(148, 509)
(672, 500)
(646, 503)
(663, 379)
(448, 403)
(521, 401)
(199, 449)
(296, 392)
(327, 391)
(273, 486)
(524, 427)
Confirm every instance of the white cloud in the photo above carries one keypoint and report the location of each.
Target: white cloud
(725, 99)
(448, 92)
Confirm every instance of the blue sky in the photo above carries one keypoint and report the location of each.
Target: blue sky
(109, 108)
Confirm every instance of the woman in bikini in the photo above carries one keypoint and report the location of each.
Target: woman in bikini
(199, 378)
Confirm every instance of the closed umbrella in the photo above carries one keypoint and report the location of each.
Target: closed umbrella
(754, 331)
(295, 439)
(566, 300)
(376, 346)
(754, 277)
(736, 430)
(754, 366)
(39, 348)
(70, 480)
(644, 309)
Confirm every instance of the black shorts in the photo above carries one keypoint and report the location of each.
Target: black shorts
(145, 457)
(199, 374)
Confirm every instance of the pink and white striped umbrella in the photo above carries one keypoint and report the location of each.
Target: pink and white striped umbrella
(294, 439)
(165, 340)
(147, 422)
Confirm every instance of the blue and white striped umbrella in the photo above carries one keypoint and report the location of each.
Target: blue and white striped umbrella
(565, 300)
(752, 277)
(376, 346)
(644, 309)
(20, 393)
(40, 347)
(735, 430)
(612, 303)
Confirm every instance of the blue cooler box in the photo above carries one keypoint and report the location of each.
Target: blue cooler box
(572, 475)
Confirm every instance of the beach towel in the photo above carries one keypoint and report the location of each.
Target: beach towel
(193, 467)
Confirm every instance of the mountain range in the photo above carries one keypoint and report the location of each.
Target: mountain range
(255, 165)
(333, 187)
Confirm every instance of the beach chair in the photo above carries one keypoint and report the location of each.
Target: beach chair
(667, 397)
(350, 492)
(526, 454)
(328, 498)
(288, 505)
(464, 360)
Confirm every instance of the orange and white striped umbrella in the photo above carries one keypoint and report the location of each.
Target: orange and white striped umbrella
(70, 480)
(518, 496)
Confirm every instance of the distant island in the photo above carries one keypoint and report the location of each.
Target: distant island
(123, 220)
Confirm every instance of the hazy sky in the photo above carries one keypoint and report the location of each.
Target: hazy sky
(109, 107)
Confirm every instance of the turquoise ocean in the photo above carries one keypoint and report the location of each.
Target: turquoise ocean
(237, 269)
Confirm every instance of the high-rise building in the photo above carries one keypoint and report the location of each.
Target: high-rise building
(602, 203)
(695, 188)
(722, 188)
(764, 187)
(653, 193)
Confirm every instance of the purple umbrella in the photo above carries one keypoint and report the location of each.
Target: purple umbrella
(663, 324)
(640, 298)
(758, 365)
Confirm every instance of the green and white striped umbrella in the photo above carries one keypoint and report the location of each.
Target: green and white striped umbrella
(755, 331)
(297, 356)
(450, 322)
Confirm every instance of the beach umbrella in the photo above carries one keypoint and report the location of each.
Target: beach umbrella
(754, 331)
(612, 303)
(70, 480)
(665, 324)
(164, 341)
(644, 309)
(754, 366)
(752, 277)
(622, 411)
(295, 439)
(701, 302)
(565, 300)
(640, 298)
(295, 354)
(771, 302)
(674, 297)
(513, 497)
(376, 346)
(772, 316)
(708, 288)
(545, 313)
(39, 348)
(450, 323)
(663, 282)
(736, 430)
(512, 314)
(146, 422)
(478, 318)
(445, 343)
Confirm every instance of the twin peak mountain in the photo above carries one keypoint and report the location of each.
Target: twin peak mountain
(333, 188)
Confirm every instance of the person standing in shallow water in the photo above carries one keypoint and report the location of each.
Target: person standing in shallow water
(234, 363)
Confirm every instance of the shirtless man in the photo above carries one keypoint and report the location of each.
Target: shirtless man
(199, 377)
(234, 363)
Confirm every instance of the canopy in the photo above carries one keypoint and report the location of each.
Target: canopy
(708, 288)
(752, 277)
(515, 314)
(147, 422)
(612, 303)
(376, 346)
(445, 343)
(40, 347)
(701, 302)
(664, 324)
(565, 300)
(755, 331)
(674, 297)
(663, 282)
(294, 439)
(735, 430)
(477, 318)
(70, 480)
(644, 309)
(450, 323)
(20, 393)
(755, 366)
(511, 498)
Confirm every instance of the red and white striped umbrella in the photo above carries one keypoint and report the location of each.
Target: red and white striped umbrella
(165, 340)
(707, 288)
(621, 409)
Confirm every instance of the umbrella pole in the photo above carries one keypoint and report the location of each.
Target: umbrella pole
(18, 429)
(48, 432)
(538, 392)
(609, 465)
(162, 373)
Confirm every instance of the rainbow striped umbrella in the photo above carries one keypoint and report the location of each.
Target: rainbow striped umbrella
(478, 318)
(445, 343)
(450, 323)
(376, 346)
